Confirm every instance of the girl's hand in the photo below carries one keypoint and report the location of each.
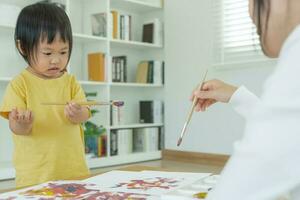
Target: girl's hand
(76, 113)
(20, 121)
(212, 91)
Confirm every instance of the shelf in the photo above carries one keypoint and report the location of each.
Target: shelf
(78, 37)
(124, 159)
(135, 85)
(7, 28)
(136, 126)
(7, 171)
(93, 83)
(5, 79)
(133, 44)
(136, 6)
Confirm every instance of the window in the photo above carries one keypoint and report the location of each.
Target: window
(235, 37)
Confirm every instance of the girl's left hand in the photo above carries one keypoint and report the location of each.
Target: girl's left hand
(76, 113)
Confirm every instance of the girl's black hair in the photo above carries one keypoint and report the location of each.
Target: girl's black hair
(38, 22)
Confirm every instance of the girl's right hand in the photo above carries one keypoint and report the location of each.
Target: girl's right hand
(20, 121)
(212, 91)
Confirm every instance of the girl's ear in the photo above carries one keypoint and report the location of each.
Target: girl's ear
(19, 46)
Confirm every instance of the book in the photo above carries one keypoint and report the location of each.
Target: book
(96, 66)
(113, 143)
(115, 24)
(142, 72)
(153, 32)
(98, 22)
(125, 137)
(146, 139)
(147, 35)
(151, 111)
(119, 69)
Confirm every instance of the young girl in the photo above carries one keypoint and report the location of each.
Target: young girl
(48, 140)
(265, 163)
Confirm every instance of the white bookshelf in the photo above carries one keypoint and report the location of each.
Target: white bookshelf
(136, 126)
(84, 42)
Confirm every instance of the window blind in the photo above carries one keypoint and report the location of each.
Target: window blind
(235, 37)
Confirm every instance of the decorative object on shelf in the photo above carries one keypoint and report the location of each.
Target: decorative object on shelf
(9, 14)
(96, 66)
(116, 113)
(119, 69)
(98, 21)
(152, 32)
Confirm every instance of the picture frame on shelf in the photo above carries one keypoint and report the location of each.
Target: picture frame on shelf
(99, 24)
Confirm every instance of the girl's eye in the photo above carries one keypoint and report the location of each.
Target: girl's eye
(63, 53)
(47, 54)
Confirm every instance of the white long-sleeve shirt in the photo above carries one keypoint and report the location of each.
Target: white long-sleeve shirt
(265, 164)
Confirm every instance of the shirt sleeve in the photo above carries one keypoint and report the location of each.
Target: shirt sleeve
(265, 164)
(14, 97)
(77, 91)
(243, 101)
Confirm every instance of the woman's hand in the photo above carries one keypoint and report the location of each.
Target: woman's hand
(212, 91)
(76, 113)
(20, 121)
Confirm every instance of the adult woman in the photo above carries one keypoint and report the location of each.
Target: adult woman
(265, 163)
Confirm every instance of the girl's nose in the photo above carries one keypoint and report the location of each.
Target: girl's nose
(55, 60)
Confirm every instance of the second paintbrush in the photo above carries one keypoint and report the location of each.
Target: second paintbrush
(86, 103)
(195, 101)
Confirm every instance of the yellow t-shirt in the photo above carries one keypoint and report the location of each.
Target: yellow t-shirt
(55, 148)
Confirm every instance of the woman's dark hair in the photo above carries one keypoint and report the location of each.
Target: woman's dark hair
(259, 7)
(38, 22)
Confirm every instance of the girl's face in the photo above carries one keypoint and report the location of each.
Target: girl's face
(51, 59)
(274, 26)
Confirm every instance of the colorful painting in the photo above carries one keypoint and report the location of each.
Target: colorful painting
(115, 196)
(145, 182)
(150, 183)
(66, 190)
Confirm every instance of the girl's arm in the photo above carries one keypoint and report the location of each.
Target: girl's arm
(20, 122)
(77, 113)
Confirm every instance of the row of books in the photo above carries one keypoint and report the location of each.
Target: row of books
(96, 145)
(126, 141)
(119, 69)
(151, 71)
(121, 26)
(150, 111)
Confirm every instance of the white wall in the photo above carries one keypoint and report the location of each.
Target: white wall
(188, 42)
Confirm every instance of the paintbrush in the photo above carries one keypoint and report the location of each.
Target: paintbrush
(86, 103)
(195, 101)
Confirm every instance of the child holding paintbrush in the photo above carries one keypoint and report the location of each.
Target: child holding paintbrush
(48, 139)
